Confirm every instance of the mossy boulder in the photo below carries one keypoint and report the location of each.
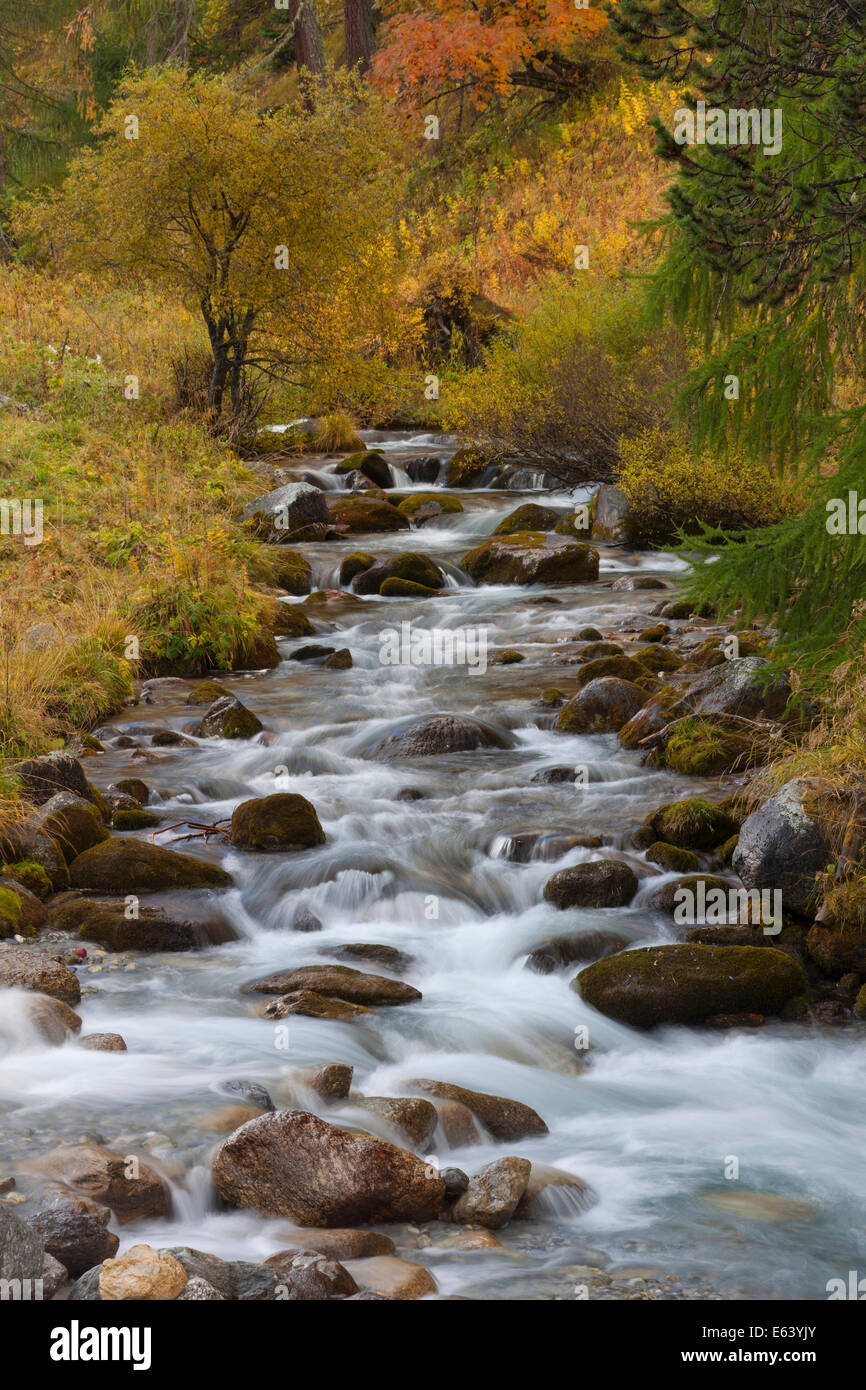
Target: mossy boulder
(468, 468)
(354, 564)
(528, 557)
(415, 503)
(30, 875)
(133, 866)
(203, 693)
(613, 519)
(73, 824)
(708, 747)
(289, 620)
(11, 914)
(530, 517)
(228, 718)
(689, 983)
(28, 911)
(655, 716)
(577, 523)
(693, 823)
(106, 923)
(132, 786)
(405, 588)
(409, 565)
(665, 897)
(624, 668)
(658, 658)
(340, 660)
(601, 707)
(837, 950)
(370, 462)
(366, 515)
(133, 818)
(283, 821)
(42, 777)
(672, 858)
(593, 650)
(600, 883)
(431, 735)
(291, 570)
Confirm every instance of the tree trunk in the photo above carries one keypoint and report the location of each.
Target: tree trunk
(309, 45)
(360, 30)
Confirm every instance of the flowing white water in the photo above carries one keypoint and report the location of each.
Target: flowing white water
(653, 1119)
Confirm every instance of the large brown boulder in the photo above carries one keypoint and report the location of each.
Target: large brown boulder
(337, 982)
(689, 983)
(435, 734)
(600, 883)
(78, 1239)
(36, 970)
(409, 565)
(529, 557)
(282, 821)
(360, 515)
(503, 1118)
(136, 866)
(291, 1163)
(601, 707)
(494, 1193)
(130, 1187)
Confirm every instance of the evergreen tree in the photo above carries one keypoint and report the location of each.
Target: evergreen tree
(765, 258)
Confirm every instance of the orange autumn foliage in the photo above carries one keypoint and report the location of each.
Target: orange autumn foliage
(432, 47)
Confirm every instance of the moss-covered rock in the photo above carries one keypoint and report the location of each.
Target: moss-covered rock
(370, 462)
(132, 786)
(529, 517)
(709, 747)
(405, 588)
(577, 524)
(128, 818)
(600, 883)
(354, 564)
(467, 467)
(360, 515)
(409, 565)
(291, 570)
(660, 632)
(528, 557)
(290, 620)
(228, 718)
(672, 858)
(283, 821)
(340, 660)
(689, 983)
(73, 824)
(106, 923)
(30, 912)
(601, 707)
(30, 875)
(417, 501)
(132, 866)
(666, 897)
(203, 693)
(593, 650)
(623, 668)
(693, 823)
(658, 658)
(44, 776)
(10, 913)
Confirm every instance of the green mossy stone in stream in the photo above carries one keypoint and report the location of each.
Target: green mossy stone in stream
(31, 875)
(529, 517)
(365, 514)
(134, 820)
(11, 914)
(596, 649)
(622, 667)
(228, 718)
(530, 557)
(411, 565)
(282, 821)
(509, 656)
(466, 467)
(131, 866)
(672, 858)
(726, 851)
(100, 802)
(552, 698)
(370, 462)
(693, 823)
(602, 707)
(575, 524)
(291, 621)
(599, 883)
(134, 787)
(448, 504)
(688, 984)
(291, 570)
(405, 588)
(354, 564)
(73, 824)
(709, 747)
(204, 693)
(659, 633)
(860, 1004)
(339, 661)
(590, 634)
(657, 658)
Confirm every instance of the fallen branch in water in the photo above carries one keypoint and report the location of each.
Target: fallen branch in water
(200, 831)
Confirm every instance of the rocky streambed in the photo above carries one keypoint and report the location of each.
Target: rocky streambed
(421, 1012)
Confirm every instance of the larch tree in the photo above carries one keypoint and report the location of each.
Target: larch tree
(360, 31)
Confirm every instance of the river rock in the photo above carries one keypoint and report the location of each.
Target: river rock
(129, 1187)
(623, 668)
(737, 688)
(529, 558)
(289, 507)
(689, 983)
(37, 971)
(392, 1278)
(693, 823)
(307, 1276)
(600, 883)
(459, 1125)
(360, 515)
(528, 517)
(337, 982)
(200, 1291)
(282, 821)
(142, 1273)
(54, 1276)
(135, 866)
(105, 922)
(436, 734)
(25, 841)
(664, 898)
(306, 1003)
(601, 707)
(21, 1247)
(376, 952)
(542, 1179)
(293, 1164)
(79, 1240)
(612, 517)
(227, 718)
(558, 951)
(73, 823)
(54, 1021)
(424, 470)
(346, 1244)
(31, 914)
(782, 846)
(408, 565)
(417, 1118)
(238, 1280)
(50, 773)
(493, 1193)
(102, 1042)
(505, 1119)
(837, 950)
(331, 1081)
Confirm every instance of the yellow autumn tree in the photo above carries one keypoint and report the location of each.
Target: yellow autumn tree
(274, 225)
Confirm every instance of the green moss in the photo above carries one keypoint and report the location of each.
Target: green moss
(659, 633)
(465, 467)
(353, 564)
(623, 667)
(726, 851)
(360, 514)
(10, 914)
(30, 875)
(204, 694)
(657, 657)
(410, 505)
(405, 588)
(529, 517)
(134, 819)
(692, 823)
(707, 748)
(672, 858)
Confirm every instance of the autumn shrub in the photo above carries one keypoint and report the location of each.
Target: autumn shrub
(673, 486)
(566, 384)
